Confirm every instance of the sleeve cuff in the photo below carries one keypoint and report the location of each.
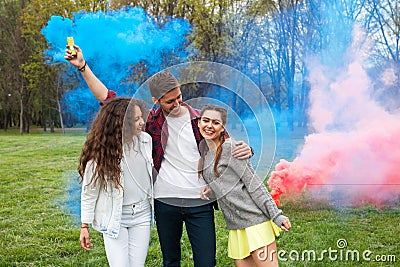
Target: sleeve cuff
(110, 95)
(279, 220)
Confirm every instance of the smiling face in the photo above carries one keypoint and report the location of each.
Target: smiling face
(138, 121)
(211, 125)
(170, 103)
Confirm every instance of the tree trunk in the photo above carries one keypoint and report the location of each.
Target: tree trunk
(304, 101)
(21, 116)
(60, 115)
(43, 113)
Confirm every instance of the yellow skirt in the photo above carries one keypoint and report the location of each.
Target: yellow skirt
(242, 242)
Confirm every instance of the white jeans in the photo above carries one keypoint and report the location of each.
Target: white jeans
(130, 248)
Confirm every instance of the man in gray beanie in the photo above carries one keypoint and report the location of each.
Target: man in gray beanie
(161, 83)
(166, 93)
(176, 137)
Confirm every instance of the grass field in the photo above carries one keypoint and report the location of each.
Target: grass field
(36, 228)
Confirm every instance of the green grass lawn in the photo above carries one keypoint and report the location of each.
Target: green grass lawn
(36, 228)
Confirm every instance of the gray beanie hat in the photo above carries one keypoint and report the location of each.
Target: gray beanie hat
(161, 83)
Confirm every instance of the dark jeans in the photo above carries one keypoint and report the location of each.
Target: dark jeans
(200, 227)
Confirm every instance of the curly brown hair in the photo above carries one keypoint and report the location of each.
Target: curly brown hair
(112, 127)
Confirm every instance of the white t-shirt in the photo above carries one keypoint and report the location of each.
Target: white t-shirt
(178, 177)
(137, 183)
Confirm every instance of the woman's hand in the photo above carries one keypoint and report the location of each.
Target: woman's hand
(205, 191)
(78, 60)
(84, 238)
(286, 225)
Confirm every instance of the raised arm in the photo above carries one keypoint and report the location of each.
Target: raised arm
(98, 89)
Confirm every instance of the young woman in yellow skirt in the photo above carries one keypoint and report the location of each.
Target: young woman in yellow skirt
(250, 213)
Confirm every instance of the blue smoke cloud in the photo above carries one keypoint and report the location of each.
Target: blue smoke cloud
(113, 43)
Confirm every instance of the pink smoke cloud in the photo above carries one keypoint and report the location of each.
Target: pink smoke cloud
(354, 152)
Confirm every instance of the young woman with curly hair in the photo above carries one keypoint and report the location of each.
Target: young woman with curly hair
(115, 170)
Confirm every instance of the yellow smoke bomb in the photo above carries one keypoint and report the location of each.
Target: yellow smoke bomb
(70, 41)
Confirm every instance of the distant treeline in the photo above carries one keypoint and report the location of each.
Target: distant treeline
(272, 42)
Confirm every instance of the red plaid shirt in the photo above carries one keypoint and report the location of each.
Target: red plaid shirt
(157, 127)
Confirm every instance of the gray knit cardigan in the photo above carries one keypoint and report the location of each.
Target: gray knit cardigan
(241, 194)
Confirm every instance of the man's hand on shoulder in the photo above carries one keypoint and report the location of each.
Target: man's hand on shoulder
(242, 150)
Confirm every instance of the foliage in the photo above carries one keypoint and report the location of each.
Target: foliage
(270, 41)
(12, 53)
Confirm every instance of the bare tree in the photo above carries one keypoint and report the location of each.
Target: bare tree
(382, 22)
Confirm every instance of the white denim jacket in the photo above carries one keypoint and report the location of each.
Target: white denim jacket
(103, 209)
